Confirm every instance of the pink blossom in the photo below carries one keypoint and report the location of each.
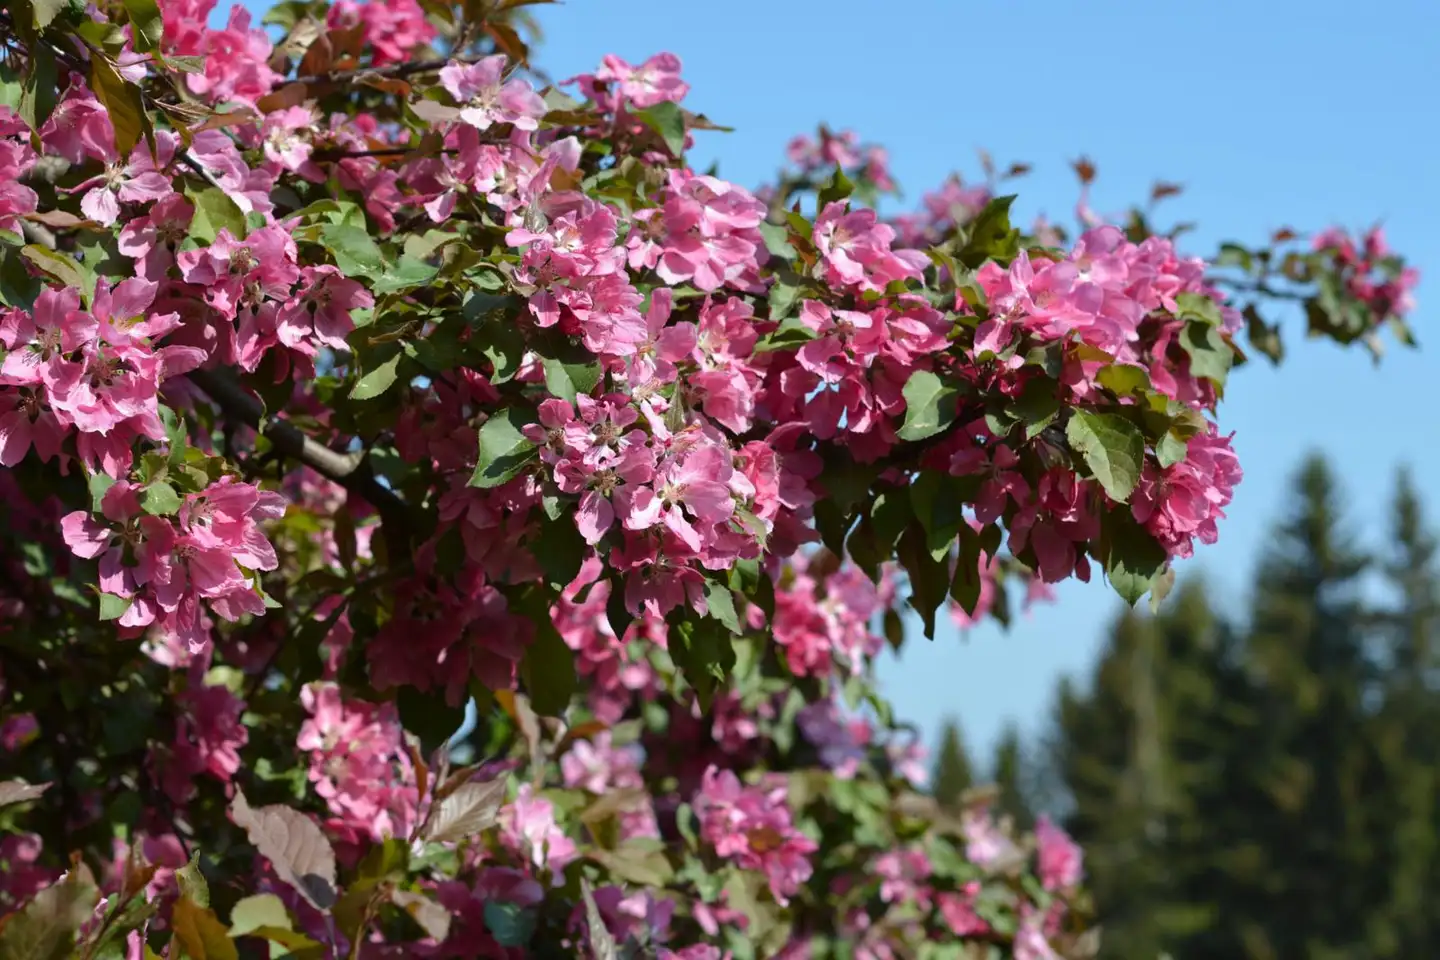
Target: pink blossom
(484, 99)
(618, 83)
(1059, 857)
(528, 827)
(319, 312)
(752, 827)
(393, 28)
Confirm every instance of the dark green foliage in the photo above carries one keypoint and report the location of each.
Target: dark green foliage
(1269, 789)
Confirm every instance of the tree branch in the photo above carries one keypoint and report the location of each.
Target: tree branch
(350, 470)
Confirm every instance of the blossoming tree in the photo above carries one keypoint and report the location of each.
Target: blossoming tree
(352, 375)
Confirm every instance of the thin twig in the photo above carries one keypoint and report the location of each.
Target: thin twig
(350, 470)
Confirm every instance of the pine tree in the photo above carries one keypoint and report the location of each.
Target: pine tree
(1408, 817)
(1308, 874)
(1138, 752)
(953, 775)
(1009, 774)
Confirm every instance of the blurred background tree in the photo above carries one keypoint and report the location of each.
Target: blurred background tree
(1263, 783)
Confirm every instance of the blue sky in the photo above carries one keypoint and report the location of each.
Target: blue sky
(1270, 113)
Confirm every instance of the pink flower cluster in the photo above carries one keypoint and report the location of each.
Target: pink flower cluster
(208, 736)
(822, 624)
(1365, 274)
(358, 763)
(392, 29)
(94, 373)
(675, 494)
(752, 827)
(236, 58)
(618, 84)
(166, 566)
(529, 830)
(867, 162)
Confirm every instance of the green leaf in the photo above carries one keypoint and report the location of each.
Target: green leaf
(1113, 448)
(214, 211)
(1123, 379)
(122, 101)
(1171, 449)
(930, 406)
(58, 266)
(378, 380)
(159, 499)
(939, 509)
(792, 331)
(192, 881)
(509, 923)
(38, 90)
(640, 860)
(560, 550)
(1038, 405)
(783, 297)
(549, 665)
(146, 26)
(1210, 355)
(355, 251)
(965, 585)
(777, 240)
(1131, 557)
(929, 578)
(113, 607)
(705, 655)
(261, 910)
(568, 380)
(666, 120)
(44, 11)
(838, 187)
(504, 450)
(720, 603)
(407, 272)
(1200, 307)
(990, 235)
(45, 928)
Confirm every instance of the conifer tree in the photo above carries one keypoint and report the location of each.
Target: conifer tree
(953, 774)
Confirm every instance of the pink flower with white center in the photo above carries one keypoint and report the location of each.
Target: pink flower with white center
(137, 181)
(243, 273)
(528, 828)
(319, 312)
(665, 344)
(654, 81)
(39, 346)
(712, 236)
(958, 910)
(485, 99)
(856, 249)
(1060, 860)
(208, 735)
(151, 239)
(287, 137)
(693, 489)
(752, 826)
(1031, 942)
